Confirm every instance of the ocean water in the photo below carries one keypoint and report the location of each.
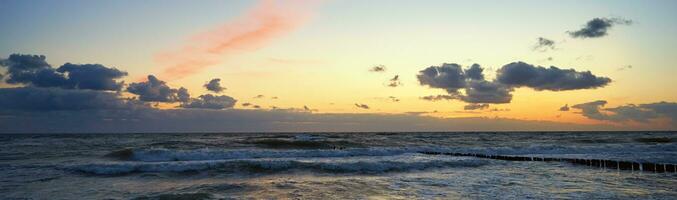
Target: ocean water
(333, 166)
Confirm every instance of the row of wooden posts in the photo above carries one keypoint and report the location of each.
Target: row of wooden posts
(600, 163)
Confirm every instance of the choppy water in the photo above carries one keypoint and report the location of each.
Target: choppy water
(331, 166)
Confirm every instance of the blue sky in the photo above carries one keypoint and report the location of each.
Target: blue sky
(322, 61)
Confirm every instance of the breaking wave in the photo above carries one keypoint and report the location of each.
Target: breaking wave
(161, 155)
(380, 164)
(629, 152)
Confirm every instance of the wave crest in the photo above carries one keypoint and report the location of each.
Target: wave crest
(405, 162)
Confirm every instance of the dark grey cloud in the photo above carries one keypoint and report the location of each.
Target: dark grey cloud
(475, 72)
(591, 109)
(476, 106)
(208, 101)
(564, 108)
(92, 76)
(544, 44)
(33, 70)
(667, 109)
(155, 90)
(520, 74)
(182, 95)
(598, 27)
(214, 85)
(54, 99)
(486, 92)
(363, 106)
(470, 85)
(453, 79)
(378, 68)
(448, 76)
(631, 112)
(394, 82)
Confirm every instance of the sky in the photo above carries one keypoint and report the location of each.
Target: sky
(337, 65)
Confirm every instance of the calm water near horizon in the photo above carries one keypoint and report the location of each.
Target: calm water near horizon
(331, 166)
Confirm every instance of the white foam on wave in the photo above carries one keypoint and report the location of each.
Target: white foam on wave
(161, 155)
(404, 162)
(631, 152)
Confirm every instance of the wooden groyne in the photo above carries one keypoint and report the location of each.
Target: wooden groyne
(599, 163)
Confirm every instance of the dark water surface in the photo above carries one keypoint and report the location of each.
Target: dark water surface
(331, 166)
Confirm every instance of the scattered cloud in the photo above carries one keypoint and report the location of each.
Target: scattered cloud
(246, 104)
(598, 27)
(214, 85)
(259, 96)
(475, 106)
(564, 108)
(437, 97)
(627, 67)
(544, 44)
(394, 82)
(378, 68)
(363, 106)
(520, 74)
(393, 99)
(155, 90)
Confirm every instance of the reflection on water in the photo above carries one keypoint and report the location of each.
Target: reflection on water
(329, 166)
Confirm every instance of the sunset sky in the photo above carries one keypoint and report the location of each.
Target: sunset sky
(311, 62)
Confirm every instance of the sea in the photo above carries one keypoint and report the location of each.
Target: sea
(439, 165)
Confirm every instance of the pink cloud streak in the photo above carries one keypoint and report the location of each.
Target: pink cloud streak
(267, 20)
